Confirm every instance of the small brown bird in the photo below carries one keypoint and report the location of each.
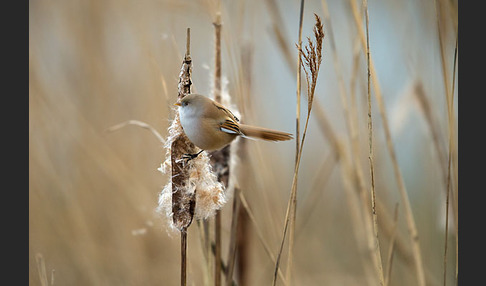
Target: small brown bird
(211, 126)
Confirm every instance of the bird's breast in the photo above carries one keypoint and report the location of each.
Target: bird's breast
(205, 132)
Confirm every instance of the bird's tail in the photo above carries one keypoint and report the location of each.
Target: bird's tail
(264, 133)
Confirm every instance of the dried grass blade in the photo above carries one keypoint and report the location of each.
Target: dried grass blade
(378, 262)
(140, 124)
(312, 59)
(414, 238)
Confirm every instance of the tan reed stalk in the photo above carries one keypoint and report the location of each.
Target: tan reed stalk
(379, 264)
(311, 201)
(183, 204)
(220, 158)
(183, 255)
(279, 28)
(450, 115)
(414, 238)
(355, 206)
(279, 33)
(312, 57)
(391, 249)
(449, 168)
(205, 249)
(41, 269)
(242, 243)
(293, 207)
(251, 216)
(451, 157)
(299, 84)
(233, 236)
(139, 124)
(370, 226)
(243, 229)
(217, 252)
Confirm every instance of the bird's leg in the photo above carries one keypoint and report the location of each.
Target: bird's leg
(189, 157)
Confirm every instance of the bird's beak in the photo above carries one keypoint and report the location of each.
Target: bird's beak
(178, 103)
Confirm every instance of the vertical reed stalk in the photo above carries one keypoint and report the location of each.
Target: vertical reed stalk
(312, 57)
(251, 216)
(293, 201)
(183, 255)
(219, 158)
(355, 170)
(391, 250)
(183, 203)
(448, 187)
(450, 115)
(217, 252)
(379, 264)
(233, 237)
(412, 228)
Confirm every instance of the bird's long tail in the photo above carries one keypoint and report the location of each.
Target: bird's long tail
(264, 133)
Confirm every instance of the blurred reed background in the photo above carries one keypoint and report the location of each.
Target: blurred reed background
(93, 194)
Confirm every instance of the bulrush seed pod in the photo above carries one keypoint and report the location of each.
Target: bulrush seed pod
(193, 189)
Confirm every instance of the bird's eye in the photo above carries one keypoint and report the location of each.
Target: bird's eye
(184, 103)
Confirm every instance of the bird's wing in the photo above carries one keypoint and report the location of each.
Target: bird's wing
(226, 111)
(231, 127)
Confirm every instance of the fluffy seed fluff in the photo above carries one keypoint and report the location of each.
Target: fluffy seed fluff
(209, 193)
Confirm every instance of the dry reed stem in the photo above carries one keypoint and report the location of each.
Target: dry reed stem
(312, 58)
(378, 263)
(205, 249)
(279, 33)
(243, 238)
(299, 84)
(414, 238)
(434, 129)
(391, 249)
(190, 180)
(450, 115)
(183, 255)
(355, 207)
(183, 203)
(233, 237)
(219, 159)
(242, 245)
(312, 200)
(448, 187)
(283, 45)
(217, 252)
(41, 270)
(217, 60)
(370, 225)
(293, 207)
(250, 214)
(140, 124)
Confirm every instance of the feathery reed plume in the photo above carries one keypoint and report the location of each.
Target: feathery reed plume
(311, 58)
(191, 181)
(320, 114)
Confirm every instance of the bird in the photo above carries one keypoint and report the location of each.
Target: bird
(211, 126)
